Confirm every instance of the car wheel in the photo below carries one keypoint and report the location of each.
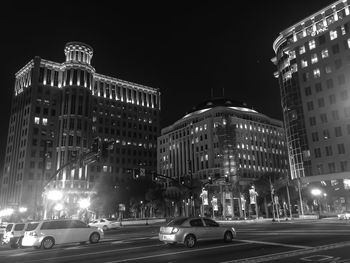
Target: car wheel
(94, 238)
(190, 241)
(228, 237)
(47, 243)
(104, 228)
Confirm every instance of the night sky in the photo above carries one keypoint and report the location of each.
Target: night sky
(183, 48)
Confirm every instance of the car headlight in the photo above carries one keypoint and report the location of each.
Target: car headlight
(174, 230)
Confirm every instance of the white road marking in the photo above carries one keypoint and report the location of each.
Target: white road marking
(174, 253)
(272, 243)
(91, 253)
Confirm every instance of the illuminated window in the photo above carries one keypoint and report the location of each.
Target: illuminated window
(312, 44)
(301, 50)
(333, 34)
(36, 120)
(317, 73)
(314, 58)
(105, 168)
(324, 53)
(348, 42)
(343, 31)
(328, 69)
(303, 63)
(330, 19)
(292, 54)
(45, 121)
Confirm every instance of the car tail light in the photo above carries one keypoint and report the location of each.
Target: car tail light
(174, 230)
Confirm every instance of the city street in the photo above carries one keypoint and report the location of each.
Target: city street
(288, 241)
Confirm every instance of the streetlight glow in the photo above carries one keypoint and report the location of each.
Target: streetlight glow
(84, 203)
(316, 192)
(58, 207)
(22, 209)
(55, 195)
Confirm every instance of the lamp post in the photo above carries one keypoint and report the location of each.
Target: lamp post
(317, 193)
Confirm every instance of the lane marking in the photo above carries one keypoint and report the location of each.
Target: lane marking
(273, 243)
(174, 253)
(288, 254)
(91, 253)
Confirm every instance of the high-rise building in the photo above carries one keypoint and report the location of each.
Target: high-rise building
(57, 111)
(223, 140)
(312, 59)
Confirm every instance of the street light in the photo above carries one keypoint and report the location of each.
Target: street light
(54, 195)
(58, 207)
(22, 209)
(84, 203)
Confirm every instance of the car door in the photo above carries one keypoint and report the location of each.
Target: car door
(197, 228)
(80, 231)
(213, 230)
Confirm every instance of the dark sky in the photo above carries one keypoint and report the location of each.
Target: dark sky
(183, 48)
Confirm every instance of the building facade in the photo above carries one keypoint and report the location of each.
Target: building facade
(57, 110)
(312, 59)
(223, 139)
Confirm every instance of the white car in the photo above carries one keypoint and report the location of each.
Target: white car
(14, 233)
(105, 224)
(48, 233)
(344, 215)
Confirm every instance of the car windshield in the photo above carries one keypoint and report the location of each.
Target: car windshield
(31, 226)
(9, 227)
(177, 221)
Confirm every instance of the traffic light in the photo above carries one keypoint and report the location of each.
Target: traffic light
(226, 178)
(210, 180)
(136, 173)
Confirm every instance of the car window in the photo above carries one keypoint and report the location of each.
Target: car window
(102, 220)
(9, 227)
(79, 224)
(19, 227)
(31, 226)
(177, 222)
(210, 223)
(55, 225)
(196, 222)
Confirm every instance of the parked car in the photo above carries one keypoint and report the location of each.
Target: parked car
(14, 233)
(105, 223)
(48, 233)
(189, 230)
(344, 215)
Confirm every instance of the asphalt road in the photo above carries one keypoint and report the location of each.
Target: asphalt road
(313, 241)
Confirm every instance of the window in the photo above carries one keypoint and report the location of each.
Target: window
(331, 167)
(338, 63)
(317, 73)
(343, 166)
(341, 79)
(341, 148)
(317, 153)
(301, 50)
(292, 54)
(322, 38)
(310, 106)
(335, 49)
(314, 136)
(328, 69)
(338, 131)
(320, 102)
(196, 222)
(312, 121)
(323, 118)
(307, 91)
(306, 76)
(329, 83)
(326, 135)
(312, 44)
(19, 227)
(348, 42)
(303, 63)
(210, 223)
(324, 53)
(36, 120)
(314, 58)
(44, 121)
(335, 115)
(329, 151)
(333, 34)
(318, 87)
(344, 95)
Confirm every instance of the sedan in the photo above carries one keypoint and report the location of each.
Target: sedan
(189, 230)
(344, 215)
(104, 223)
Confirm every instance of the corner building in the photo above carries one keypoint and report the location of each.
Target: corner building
(57, 109)
(221, 138)
(312, 59)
